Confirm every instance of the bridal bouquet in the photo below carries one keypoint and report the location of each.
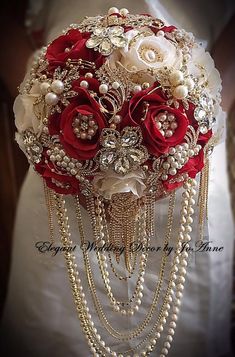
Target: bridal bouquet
(124, 99)
(120, 109)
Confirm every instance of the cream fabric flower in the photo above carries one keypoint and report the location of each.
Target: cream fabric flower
(149, 52)
(109, 183)
(201, 62)
(25, 117)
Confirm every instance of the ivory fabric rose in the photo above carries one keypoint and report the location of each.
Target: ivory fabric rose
(63, 125)
(72, 45)
(150, 52)
(202, 60)
(23, 108)
(109, 183)
(144, 110)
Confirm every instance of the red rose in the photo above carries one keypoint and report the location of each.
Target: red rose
(63, 184)
(192, 168)
(162, 126)
(72, 45)
(79, 126)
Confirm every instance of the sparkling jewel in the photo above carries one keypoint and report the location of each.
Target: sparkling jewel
(51, 99)
(180, 92)
(57, 86)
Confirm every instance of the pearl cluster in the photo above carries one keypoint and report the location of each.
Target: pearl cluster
(58, 156)
(166, 123)
(177, 158)
(114, 10)
(84, 127)
(181, 85)
(52, 91)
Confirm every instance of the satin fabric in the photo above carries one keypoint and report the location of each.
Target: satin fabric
(40, 317)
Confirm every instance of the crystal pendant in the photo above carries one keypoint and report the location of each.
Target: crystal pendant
(203, 129)
(107, 158)
(106, 47)
(136, 155)
(109, 142)
(122, 165)
(94, 41)
(118, 41)
(199, 114)
(129, 138)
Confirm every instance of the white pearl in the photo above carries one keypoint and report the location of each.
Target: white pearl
(180, 92)
(84, 84)
(103, 88)
(176, 77)
(115, 85)
(124, 12)
(165, 351)
(57, 86)
(150, 56)
(169, 338)
(189, 82)
(160, 33)
(137, 88)
(172, 171)
(44, 86)
(51, 99)
(113, 10)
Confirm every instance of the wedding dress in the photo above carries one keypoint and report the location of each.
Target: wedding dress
(40, 318)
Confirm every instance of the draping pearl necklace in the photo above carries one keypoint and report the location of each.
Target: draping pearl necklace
(124, 336)
(171, 302)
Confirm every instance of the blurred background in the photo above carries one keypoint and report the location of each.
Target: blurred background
(22, 31)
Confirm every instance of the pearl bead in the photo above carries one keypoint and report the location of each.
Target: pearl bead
(169, 338)
(124, 12)
(189, 82)
(165, 351)
(44, 86)
(103, 88)
(84, 84)
(172, 171)
(176, 77)
(57, 86)
(113, 10)
(89, 75)
(160, 33)
(150, 56)
(51, 99)
(115, 85)
(169, 133)
(117, 119)
(180, 92)
(137, 88)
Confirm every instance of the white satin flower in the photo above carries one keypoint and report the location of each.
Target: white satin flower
(109, 183)
(25, 117)
(202, 62)
(149, 52)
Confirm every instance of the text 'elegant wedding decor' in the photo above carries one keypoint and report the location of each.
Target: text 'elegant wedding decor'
(119, 112)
